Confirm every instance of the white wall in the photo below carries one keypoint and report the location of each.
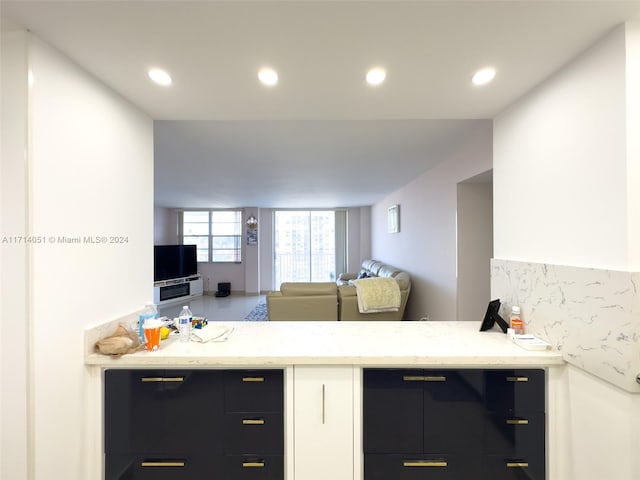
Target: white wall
(14, 306)
(600, 419)
(633, 142)
(426, 243)
(560, 167)
(565, 182)
(91, 174)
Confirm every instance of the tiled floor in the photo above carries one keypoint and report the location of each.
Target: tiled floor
(231, 308)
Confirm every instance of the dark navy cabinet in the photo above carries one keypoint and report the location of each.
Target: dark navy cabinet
(514, 435)
(196, 424)
(422, 424)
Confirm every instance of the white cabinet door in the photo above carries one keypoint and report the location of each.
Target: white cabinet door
(323, 423)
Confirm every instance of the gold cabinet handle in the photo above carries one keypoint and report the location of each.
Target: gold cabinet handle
(517, 421)
(517, 464)
(253, 464)
(422, 378)
(517, 379)
(162, 464)
(253, 421)
(161, 379)
(150, 379)
(253, 379)
(424, 463)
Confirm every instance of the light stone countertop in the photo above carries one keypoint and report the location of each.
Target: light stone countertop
(279, 344)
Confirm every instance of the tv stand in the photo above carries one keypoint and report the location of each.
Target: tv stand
(177, 289)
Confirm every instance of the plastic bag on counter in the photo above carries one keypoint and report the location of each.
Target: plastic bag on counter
(122, 341)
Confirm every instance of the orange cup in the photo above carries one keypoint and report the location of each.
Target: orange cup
(152, 328)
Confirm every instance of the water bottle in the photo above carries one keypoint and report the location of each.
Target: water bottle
(150, 311)
(184, 324)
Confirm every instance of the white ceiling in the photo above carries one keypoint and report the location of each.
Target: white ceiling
(321, 137)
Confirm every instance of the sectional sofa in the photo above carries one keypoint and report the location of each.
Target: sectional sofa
(336, 301)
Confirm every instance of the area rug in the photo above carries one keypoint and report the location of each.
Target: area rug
(259, 313)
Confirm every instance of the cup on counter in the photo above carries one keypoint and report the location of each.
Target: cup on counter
(152, 328)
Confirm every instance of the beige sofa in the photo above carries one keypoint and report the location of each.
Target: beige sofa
(348, 300)
(304, 301)
(334, 301)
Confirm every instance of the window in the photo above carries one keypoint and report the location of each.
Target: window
(226, 236)
(195, 230)
(308, 245)
(216, 233)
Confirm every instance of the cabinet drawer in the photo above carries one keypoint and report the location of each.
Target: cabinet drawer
(253, 391)
(262, 433)
(421, 467)
(513, 468)
(160, 411)
(253, 467)
(515, 390)
(515, 435)
(131, 467)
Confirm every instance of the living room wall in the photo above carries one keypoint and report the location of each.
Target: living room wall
(426, 244)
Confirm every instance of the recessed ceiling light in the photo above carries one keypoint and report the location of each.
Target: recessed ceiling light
(160, 76)
(376, 76)
(483, 76)
(268, 76)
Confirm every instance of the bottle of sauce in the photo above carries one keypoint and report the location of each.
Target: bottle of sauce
(515, 321)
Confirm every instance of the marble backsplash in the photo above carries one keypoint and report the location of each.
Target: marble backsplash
(592, 316)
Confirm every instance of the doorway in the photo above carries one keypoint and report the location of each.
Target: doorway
(474, 240)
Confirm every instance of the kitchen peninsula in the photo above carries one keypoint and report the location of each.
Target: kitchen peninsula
(261, 344)
(330, 375)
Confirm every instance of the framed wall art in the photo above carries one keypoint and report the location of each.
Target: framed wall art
(393, 219)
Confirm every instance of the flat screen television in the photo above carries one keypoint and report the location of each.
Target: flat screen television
(174, 261)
